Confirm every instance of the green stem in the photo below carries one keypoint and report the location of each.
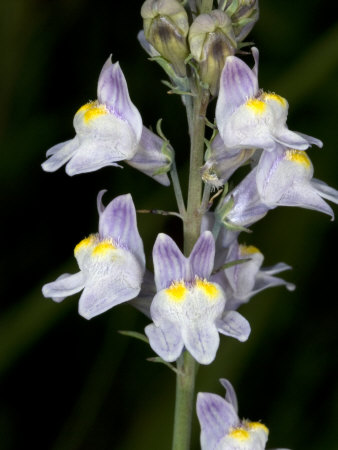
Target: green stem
(185, 390)
(192, 224)
(186, 365)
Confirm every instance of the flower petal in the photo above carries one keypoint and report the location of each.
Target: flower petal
(277, 172)
(255, 54)
(202, 256)
(118, 221)
(264, 281)
(235, 325)
(100, 205)
(311, 140)
(202, 341)
(91, 155)
(242, 277)
(325, 191)
(305, 196)
(290, 139)
(112, 90)
(216, 417)
(248, 207)
(64, 286)
(104, 293)
(59, 154)
(238, 83)
(230, 394)
(277, 268)
(169, 263)
(149, 157)
(165, 340)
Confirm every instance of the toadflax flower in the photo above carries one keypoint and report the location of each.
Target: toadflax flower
(285, 178)
(242, 281)
(221, 428)
(250, 118)
(187, 309)
(107, 130)
(111, 263)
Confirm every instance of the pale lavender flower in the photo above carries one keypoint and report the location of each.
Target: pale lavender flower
(187, 309)
(111, 263)
(249, 118)
(107, 130)
(221, 428)
(285, 178)
(242, 281)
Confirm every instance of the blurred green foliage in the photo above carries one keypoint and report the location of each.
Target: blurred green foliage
(69, 384)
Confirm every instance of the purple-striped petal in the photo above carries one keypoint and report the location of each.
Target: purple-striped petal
(64, 286)
(230, 394)
(202, 341)
(118, 221)
(165, 340)
(216, 417)
(149, 157)
(169, 263)
(238, 83)
(112, 91)
(233, 324)
(202, 256)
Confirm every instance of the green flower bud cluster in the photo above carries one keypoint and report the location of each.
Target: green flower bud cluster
(175, 33)
(211, 40)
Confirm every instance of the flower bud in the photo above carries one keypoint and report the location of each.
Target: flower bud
(166, 27)
(244, 14)
(211, 40)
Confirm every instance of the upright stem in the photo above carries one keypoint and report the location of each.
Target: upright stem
(192, 224)
(186, 365)
(185, 390)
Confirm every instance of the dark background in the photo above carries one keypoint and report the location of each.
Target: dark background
(69, 384)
